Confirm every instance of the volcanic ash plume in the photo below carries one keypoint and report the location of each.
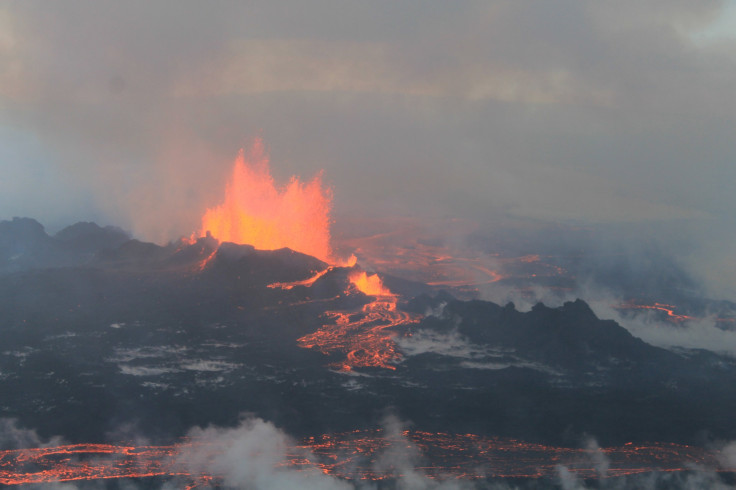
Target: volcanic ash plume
(257, 213)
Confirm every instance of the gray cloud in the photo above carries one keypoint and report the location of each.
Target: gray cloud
(575, 111)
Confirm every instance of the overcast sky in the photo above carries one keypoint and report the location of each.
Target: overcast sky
(132, 112)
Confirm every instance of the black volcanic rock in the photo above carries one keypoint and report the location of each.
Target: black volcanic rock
(136, 252)
(191, 334)
(90, 237)
(22, 231)
(570, 337)
(25, 244)
(260, 267)
(423, 304)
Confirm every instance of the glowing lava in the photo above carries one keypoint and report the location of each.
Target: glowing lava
(411, 253)
(369, 285)
(85, 462)
(354, 455)
(668, 309)
(256, 212)
(365, 337)
(304, 282)
(471, 456)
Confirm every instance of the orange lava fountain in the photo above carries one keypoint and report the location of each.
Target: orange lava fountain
(256, 212)
(369, 285)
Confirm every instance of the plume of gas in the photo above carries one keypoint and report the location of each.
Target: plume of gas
(255, 454)
(698, 333)
(13, 436)
(402, 457)
(251, 455)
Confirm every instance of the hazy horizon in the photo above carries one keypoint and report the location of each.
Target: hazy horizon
(132, 113)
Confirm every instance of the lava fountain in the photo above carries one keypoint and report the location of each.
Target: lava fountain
(257, 212)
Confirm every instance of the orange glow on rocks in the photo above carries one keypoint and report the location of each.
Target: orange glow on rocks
(257, 212)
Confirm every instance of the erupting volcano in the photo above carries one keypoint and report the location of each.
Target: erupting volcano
(197, 333)
(257, 212)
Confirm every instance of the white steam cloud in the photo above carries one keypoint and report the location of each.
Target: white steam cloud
(255, 454)
(13, 436)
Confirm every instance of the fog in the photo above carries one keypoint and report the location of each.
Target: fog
(131, 113)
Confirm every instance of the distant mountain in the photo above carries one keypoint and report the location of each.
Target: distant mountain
(570, 338)
(24, 244)
(90, 237)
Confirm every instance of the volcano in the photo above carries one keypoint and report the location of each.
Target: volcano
(101, 331)
(251, 329)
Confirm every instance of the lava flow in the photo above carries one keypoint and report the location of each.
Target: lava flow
(310, 280)
(409, 251)
(365, 337)
(353, 455)
(256, 212)
(304, 282)
(86, 462)
(471, 456)
(668, 309)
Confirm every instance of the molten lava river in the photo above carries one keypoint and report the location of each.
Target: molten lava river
(352, 455)
(365, 337)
